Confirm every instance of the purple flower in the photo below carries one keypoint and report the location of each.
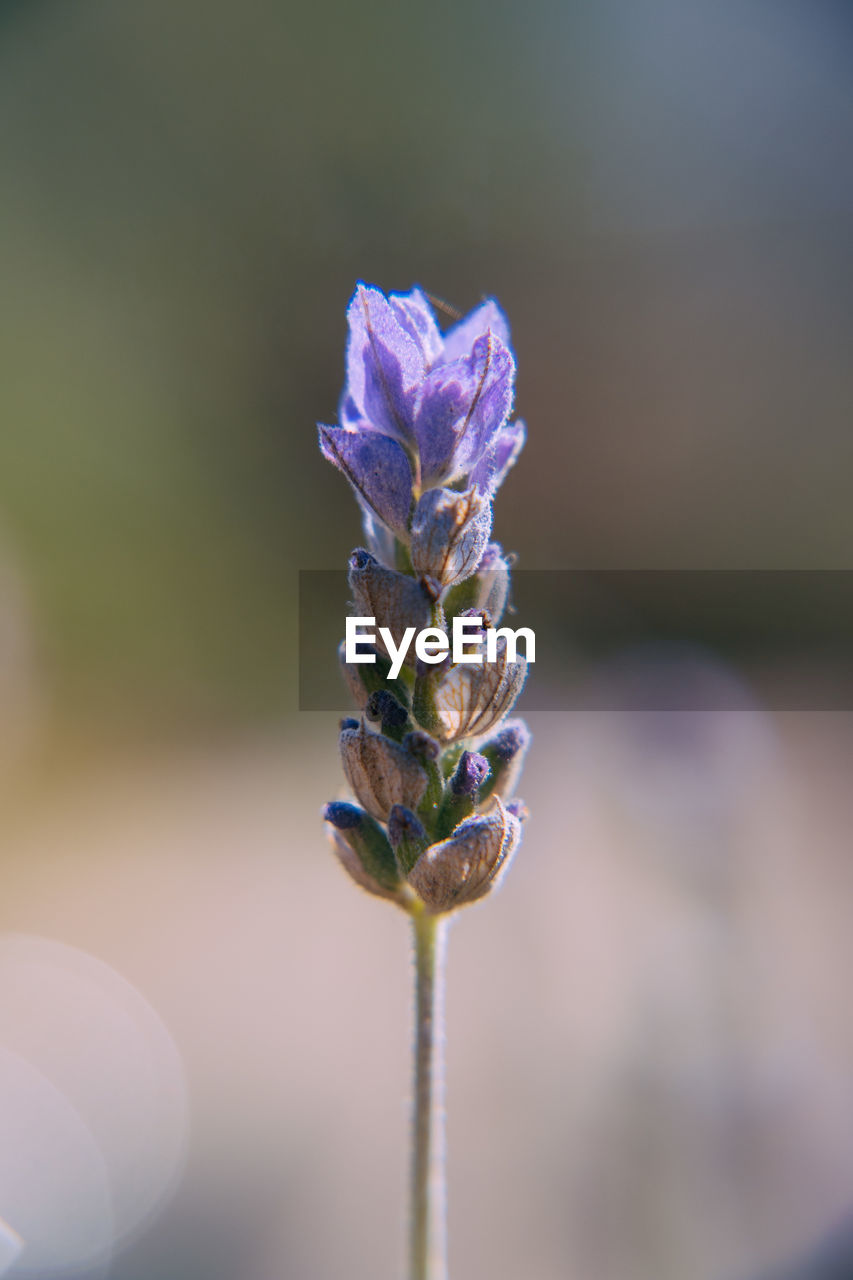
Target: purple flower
(420, 409)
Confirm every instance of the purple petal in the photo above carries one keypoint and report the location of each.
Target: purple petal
(415, 315)
(491, 470)
(461, 408)
(385, 365)
(445, 399)
(376, 467)
(459, 340)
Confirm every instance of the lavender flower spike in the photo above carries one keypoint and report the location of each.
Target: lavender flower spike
(426, 439)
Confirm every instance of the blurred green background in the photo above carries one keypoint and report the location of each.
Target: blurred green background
(649, 1029)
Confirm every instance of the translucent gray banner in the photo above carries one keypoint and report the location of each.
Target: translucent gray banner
(673, 640)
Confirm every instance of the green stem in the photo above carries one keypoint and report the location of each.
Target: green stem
(427, 1259)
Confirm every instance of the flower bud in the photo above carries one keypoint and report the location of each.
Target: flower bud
(470, 700)
(486, 592)
(364, 678)
(450, 531)
(468, 864)
(394, 599)
(462, 792)
(363, 849)
(382, 773)
(407, 836)
(505, 754)
(392, 715)
(471, 772)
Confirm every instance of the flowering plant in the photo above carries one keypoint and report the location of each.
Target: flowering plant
(425, 440)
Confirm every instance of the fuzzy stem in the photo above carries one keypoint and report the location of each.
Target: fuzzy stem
(427, 1258)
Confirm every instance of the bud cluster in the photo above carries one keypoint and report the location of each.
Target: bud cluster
(425, 441)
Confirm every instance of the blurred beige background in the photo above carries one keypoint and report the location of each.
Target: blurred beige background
(650, 1053)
